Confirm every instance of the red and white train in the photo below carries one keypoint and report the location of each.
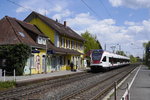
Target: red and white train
(101, 59)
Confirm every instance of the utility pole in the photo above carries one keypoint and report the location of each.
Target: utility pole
(105, 46)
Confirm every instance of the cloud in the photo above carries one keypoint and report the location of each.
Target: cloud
(42, 6)
(61, 15)
(108, 32)
(131, 3)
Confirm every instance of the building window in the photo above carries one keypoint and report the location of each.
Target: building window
(81, 46)
(44, 41)
(72, 44)
(69, 43)
(78, 46)
(63, 42)
(41, 40)
(32, 61)
(60, 42)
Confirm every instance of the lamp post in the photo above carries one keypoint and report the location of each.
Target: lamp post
(113, 47)
(46, 49)
(119, 47)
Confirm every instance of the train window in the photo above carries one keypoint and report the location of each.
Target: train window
(96, 55)
(104, 59)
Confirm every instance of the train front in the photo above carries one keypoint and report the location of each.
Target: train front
(96, 56)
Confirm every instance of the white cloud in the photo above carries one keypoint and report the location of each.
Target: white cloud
(129, 23)
(43, 6)
(131, 3)
(108, 32)
(61, 15)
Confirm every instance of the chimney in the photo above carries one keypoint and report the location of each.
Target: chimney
(56, 20)
(65, 23)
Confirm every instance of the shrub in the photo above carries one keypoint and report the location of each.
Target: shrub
(16, 57)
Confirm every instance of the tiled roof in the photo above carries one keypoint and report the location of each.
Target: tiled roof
(13, 31)
(30, 27)
(60, 28)
(64, 51)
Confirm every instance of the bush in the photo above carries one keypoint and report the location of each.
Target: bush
(16, 57)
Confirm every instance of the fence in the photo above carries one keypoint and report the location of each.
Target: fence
(4, 75)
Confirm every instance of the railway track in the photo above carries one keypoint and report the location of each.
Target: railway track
(98, 90)
(26, 92)
(41, 90)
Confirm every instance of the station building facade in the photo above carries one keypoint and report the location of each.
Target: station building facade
(66, 45)
(14, 31)
(54, 45)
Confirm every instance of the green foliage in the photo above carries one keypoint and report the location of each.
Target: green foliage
(91, 42)
(121, 53)
(147, 55)
(133, 59)
(16, 57)
(7, 84)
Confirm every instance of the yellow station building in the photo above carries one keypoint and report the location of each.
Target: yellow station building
(62, 46)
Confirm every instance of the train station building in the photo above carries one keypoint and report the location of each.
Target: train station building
(54, 45)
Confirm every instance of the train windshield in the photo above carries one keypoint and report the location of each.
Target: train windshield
(96, 55)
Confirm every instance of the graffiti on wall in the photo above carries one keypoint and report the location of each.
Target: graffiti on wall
(37, 61)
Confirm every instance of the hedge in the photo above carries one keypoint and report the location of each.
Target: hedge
(16, 57)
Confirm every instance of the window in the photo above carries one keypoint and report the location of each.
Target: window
(104, 59)
(32, 61)
(69, 43)
(44, 41)
(81, 46)
(96, 55)
(60, 42)
(39, 40)
(66, 43)
(72, 44)
(63, 44)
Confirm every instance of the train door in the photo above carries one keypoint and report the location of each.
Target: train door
(109, 61)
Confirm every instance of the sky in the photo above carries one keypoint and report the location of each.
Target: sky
(120, 23)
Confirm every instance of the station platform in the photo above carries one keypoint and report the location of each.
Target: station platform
(136, 86)
(26, 78)
(140, 90)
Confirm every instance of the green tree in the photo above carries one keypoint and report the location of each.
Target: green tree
(147, 54)
(15, 56)
(133, 59)
(121, 53)
(91, 42)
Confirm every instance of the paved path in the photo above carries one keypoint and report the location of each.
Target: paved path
(37, 76)
(139, 85)
(140, 89)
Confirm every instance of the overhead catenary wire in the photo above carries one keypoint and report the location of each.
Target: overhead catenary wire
(90, 8)
(105, 9)
(19, 5)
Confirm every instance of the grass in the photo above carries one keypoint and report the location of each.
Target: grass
(7, 85)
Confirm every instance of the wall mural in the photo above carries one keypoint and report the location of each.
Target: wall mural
(37, 61)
